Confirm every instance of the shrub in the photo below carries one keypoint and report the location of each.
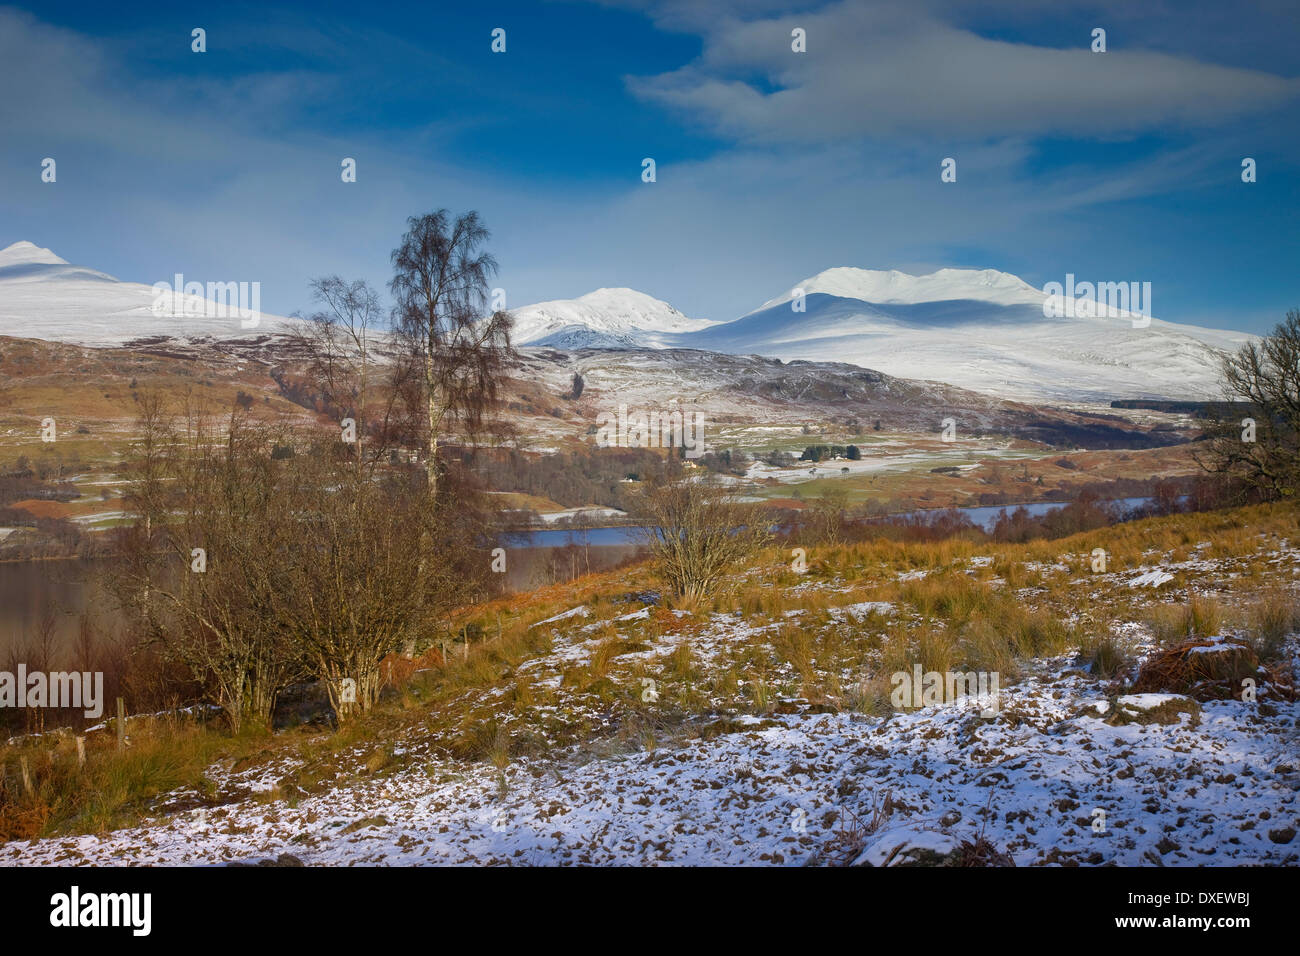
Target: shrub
(699, 532)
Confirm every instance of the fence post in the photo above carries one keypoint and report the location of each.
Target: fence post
(27, 777)
(121, 724)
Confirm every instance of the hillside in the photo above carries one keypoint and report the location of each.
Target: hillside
(604, 727)
(1002, 451)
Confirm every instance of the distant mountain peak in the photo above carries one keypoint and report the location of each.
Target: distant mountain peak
(25, 253)
(620, 296)
(604, 318)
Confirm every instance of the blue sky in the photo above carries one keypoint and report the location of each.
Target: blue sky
(772, 165)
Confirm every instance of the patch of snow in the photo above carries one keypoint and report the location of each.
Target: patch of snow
(1145, 702)
(580, 611)
(1151, 579)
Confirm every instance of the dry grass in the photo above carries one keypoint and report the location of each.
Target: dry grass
(1039, 633)
(985, 647)
(980, 852)
(1199, 617)
(113, 788)
(1272, 616)
(1184, 669)
(854, 830)
(1106, 656)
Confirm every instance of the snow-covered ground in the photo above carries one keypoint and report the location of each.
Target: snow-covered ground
(885, 456)
(778, 790)
(590, 513)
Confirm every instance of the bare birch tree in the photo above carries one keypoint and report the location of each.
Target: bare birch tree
(347, 363)
(440, 284)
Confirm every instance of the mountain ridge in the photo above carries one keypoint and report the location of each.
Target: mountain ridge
(979, 329)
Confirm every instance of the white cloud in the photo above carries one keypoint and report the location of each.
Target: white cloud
(877, 72)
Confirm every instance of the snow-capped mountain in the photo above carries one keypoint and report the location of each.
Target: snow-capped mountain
(979, 329)
(45, 296)
(606, 318)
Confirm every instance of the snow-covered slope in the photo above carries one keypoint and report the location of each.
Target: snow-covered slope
(606, 318)
(44, 296)
(978, 329)
(894, 287)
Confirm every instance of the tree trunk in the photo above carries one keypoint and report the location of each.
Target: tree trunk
(431, 465)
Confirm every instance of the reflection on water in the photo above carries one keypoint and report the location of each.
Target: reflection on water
(40, 595)
(530, 566)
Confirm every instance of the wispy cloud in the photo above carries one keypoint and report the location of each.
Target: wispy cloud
(876, 72)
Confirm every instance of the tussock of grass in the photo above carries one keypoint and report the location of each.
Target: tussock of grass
(795, 645)
(1040, 633)
(1199, 617)
(984, 647)
(1105, 655)
(1270, 619)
